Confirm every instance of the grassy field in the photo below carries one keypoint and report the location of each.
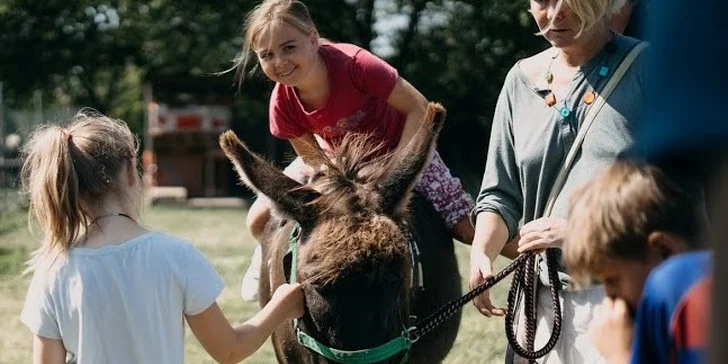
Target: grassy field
(221, 235)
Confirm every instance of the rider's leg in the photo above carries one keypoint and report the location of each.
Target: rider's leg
(448, 197)
(446, 194)
(251, 279)
(258, 216)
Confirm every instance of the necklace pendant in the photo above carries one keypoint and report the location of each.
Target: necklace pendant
(551, 99)
(589, 97)
(565, 112)
(549, 77)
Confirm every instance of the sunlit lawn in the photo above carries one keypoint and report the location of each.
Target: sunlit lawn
(221, 235)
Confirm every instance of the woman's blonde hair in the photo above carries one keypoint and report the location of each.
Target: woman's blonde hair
(267, 16)
(68, 172)
(589, 12)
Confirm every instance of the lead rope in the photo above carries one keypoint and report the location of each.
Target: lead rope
(525, 283)
(520, 286)
(520, 283)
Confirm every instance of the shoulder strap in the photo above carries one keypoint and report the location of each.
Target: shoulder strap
(588, 120)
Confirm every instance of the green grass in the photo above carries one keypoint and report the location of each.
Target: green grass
(221, 236)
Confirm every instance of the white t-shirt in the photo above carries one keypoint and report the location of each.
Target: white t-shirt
(123, 303)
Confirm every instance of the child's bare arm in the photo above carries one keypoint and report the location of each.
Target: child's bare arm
(406, 99)
(48, 351)
(231, 345)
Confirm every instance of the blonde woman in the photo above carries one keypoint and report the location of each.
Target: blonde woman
(544, 100)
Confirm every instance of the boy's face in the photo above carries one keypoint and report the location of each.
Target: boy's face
(625, 279)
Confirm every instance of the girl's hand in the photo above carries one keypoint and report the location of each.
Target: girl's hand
(611, 331)
(231, 345)
(291, 298)
(539, 234)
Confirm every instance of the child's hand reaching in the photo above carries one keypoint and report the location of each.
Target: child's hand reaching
(231, 345)
(612, 331)
(290, 298)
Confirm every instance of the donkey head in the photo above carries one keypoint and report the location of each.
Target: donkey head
(353, 256)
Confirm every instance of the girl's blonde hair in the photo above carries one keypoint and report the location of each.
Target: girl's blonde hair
(68, 172)
(589, 12)
(267, 16)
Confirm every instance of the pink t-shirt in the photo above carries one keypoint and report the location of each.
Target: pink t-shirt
(360, 84)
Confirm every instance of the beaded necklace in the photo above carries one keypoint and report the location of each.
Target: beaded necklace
(590, 96)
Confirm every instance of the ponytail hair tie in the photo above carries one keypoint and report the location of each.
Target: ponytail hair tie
(65, 134)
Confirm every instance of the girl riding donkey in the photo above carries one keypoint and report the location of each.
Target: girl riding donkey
(324, 91)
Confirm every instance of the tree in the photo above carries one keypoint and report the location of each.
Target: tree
(97, 55)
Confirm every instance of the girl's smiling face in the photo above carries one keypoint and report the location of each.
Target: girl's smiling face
(286, 54)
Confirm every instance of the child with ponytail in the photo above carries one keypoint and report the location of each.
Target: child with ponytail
(106, 289)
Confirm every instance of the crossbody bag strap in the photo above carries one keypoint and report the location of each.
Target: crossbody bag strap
(601, 99)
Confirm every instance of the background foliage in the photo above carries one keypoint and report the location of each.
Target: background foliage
(98, 54)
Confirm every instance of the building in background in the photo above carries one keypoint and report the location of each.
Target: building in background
(181, 156)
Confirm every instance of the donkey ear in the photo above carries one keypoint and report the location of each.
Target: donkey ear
(289, 196)
(406, 166)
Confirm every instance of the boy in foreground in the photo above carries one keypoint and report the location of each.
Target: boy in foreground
(640, 234)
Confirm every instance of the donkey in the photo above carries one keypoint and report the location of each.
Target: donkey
(355, 262)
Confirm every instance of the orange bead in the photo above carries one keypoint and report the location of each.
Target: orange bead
(551, 99)
(589, 97)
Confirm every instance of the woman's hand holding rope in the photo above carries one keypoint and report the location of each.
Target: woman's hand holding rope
(539, 234)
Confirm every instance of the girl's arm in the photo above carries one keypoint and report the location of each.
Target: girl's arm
(406, 99)
(231, 345)
(48, 351)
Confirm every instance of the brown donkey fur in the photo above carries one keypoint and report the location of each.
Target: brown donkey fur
(354, 259)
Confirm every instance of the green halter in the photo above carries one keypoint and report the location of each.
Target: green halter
(401, 343)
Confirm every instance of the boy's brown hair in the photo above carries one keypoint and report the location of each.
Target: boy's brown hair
(612, 215)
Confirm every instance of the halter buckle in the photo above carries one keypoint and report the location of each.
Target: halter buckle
(411, 334)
